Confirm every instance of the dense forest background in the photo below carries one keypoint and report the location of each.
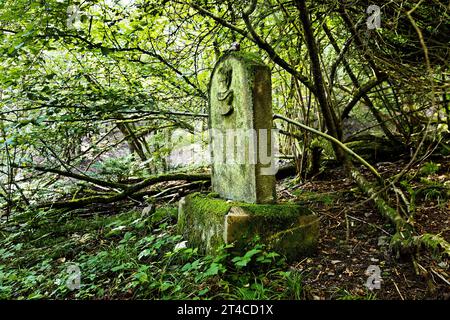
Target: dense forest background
(103, 112)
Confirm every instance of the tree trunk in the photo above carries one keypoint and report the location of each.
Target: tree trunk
(331, 120)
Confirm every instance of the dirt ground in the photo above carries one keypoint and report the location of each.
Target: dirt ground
(354, 236)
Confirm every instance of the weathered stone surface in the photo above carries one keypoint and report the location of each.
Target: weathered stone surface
(240, 105)
(208, 223)
(243, 170)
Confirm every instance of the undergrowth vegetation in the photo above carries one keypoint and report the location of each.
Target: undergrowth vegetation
(130, 256)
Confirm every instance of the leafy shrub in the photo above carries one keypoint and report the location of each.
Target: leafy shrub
(128, 256)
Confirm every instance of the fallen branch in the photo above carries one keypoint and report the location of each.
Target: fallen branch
(368, 223)
(434, 242)
(76, 176)
(158, 194)
(405, 239)
(129, 191)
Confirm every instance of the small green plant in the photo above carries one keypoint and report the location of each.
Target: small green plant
(429, 168)
(256, 255)
(434, 242)
(118, 169)
(432, 190)
(294, 281)
(128, 256)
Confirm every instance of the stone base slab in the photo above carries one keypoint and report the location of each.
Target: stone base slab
(208, 223)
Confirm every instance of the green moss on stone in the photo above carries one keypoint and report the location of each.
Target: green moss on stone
(213, 195)
(250, 85)
(210, 206)
(296, 241)
(274, 210)
(201, 221)
(289, 229)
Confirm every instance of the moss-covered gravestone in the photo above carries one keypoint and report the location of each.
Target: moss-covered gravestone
(243, 169)
(240, 121)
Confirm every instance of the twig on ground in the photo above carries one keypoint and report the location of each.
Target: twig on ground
(370, 224)
(398, 290)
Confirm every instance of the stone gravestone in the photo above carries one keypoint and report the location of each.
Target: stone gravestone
(242, 205)
(240, 121)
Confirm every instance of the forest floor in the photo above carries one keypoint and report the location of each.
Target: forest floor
(124, 254)
(355, 236)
